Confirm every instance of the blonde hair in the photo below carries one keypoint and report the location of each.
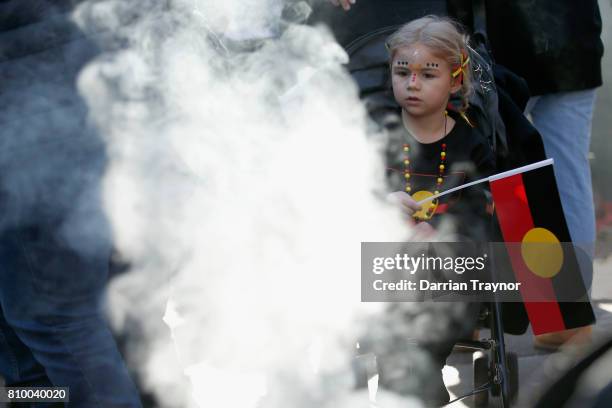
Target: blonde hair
(444, 37)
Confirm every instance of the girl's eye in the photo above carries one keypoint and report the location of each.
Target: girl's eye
(401, 73)
(428, 75)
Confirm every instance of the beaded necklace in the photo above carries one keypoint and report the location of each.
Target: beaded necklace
(429, 209)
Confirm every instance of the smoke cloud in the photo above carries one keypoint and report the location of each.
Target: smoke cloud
(240, 182)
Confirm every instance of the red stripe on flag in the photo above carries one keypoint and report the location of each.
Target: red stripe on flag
(441, 208)
(512, 207)
(514, 215)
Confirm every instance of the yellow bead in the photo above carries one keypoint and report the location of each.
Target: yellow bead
(443, 154)
(436, 192)
(406, 148)
(406, 162)
(408, 189)
(441, 167)
(407, 175)
(440, 180)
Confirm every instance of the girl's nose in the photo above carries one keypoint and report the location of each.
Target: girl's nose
(412, 81)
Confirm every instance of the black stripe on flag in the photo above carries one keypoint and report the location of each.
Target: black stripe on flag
(547, 212)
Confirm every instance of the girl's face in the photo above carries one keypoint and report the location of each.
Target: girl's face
(422, 82)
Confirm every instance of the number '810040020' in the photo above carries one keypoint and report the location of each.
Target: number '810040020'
(34, 394)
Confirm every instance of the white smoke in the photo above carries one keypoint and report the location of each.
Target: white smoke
(239, 187)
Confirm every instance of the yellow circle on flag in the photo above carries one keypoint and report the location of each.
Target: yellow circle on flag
(428, 208)
(542, 252)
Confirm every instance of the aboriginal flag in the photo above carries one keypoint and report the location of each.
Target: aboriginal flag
(539, 246)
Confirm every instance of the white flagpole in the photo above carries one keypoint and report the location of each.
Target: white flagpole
(494, 177)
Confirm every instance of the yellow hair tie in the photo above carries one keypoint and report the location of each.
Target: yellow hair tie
(464, 62)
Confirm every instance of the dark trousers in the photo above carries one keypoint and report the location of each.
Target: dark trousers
(52, 330)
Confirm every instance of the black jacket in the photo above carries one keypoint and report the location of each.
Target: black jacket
(50, 157)
(554, 44)
(370, 15)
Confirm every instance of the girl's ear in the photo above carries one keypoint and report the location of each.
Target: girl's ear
(455, 84)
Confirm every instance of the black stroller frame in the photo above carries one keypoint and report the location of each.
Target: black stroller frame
(496, 372)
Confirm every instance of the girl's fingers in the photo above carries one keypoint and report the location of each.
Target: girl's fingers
(409, 203)
(404, 199)
(412, 205)
(335, 2)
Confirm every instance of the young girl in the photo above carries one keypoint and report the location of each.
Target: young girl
(433, 148)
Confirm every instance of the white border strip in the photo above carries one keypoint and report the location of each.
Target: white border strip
(523, 169)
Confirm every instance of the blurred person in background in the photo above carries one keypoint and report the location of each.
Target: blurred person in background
(556, 47)
(54, 238)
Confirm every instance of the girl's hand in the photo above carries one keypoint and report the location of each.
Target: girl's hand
(407, 204)
(346, 4)
(421, 230)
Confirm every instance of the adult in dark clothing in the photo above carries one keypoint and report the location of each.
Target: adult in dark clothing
(556, 47)
(54, 239)
(366, 16)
